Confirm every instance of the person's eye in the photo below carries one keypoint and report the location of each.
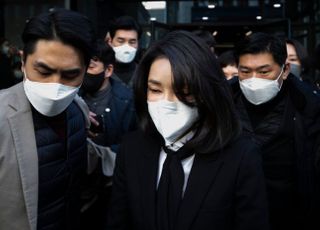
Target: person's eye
(120, 41)
(244, 71)
(264, 72)
(71, 75)
(44, 73)
(293, 59)
(154, 91)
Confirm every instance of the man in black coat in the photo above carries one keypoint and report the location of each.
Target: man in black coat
(111, 104)
(123, 36)
(282, 115)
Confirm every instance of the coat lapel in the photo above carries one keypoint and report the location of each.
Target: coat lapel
(148, 175)
(202, 176)
(22, 129)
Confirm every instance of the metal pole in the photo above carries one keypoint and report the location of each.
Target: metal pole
(67, 4)
(289, 28)
(153, 31)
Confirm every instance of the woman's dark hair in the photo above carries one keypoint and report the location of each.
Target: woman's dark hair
(194, 67)
(63, 25)
(104, 52)
(301, 51)
(124, 23)
(303, 57)
(259, 42)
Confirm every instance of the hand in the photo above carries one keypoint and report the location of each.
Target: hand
(92, 117)
(94, 122)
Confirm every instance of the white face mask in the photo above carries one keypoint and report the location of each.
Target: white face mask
(49, 99)
(124, 53)
(172, 119)
(259, 90)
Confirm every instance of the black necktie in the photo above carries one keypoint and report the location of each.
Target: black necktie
(169, 194)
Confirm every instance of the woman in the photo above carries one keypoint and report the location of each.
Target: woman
(299, 60)
(214, 180)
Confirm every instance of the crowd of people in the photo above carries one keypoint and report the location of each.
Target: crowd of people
(184, 138)
(10, 64)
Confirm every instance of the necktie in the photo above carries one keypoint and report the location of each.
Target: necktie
(169, 194)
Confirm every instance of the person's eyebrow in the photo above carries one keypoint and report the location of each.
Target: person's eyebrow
(263, 66)
(260, 67)
(42, 65)
(155, 82)
(121, 38)
(71, 71)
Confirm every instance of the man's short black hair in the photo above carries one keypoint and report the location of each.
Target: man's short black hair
(124, 23)
(104, 53)
(227, 58)
(63, 25)
(258, 43)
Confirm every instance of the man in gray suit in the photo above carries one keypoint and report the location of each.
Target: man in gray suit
(43, 126)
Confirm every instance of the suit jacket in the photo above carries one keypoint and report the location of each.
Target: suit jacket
(19, 160)
(225, 189)
(304, 101)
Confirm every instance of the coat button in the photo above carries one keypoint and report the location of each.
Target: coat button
(108, 110)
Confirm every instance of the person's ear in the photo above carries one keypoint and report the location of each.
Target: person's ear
(286, 71)
(108, 71)
(22, 60)
(107, 39)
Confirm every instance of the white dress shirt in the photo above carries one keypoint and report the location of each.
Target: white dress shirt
(186, 163)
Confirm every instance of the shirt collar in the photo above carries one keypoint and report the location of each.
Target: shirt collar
(179, 143)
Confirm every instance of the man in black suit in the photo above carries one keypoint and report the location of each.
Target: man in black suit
(282, 115)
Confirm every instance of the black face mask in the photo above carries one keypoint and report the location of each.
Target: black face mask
(92, 82)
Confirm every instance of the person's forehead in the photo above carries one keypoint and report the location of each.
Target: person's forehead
(43, 45)
(96, 64)
(291, 49)
(160, 71)
(57, 54)
(128, 34)
(259, 59)
(230, 68)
